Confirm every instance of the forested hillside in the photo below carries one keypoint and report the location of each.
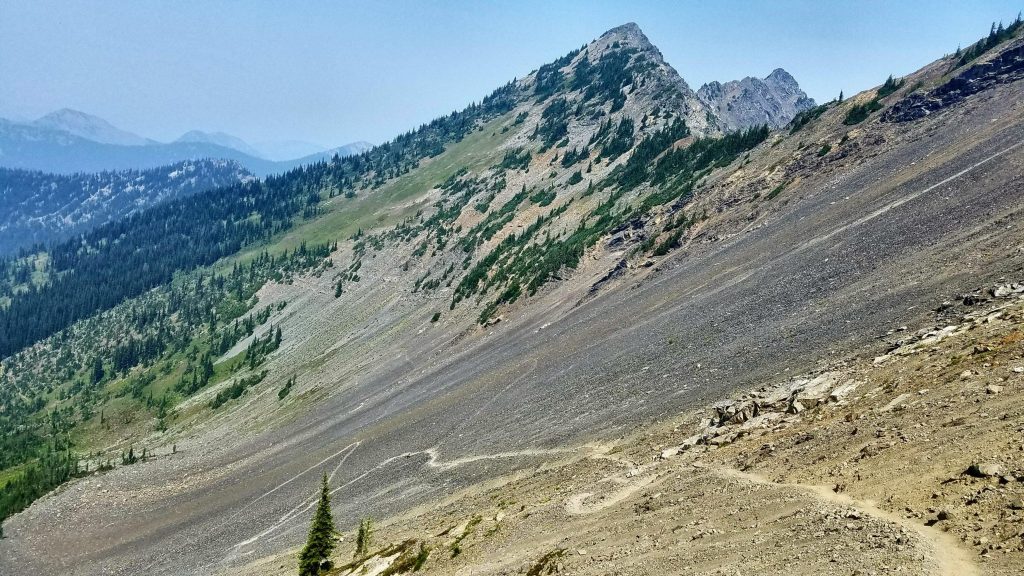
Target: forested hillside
(40, 209)
(111, 334)
(125, 258)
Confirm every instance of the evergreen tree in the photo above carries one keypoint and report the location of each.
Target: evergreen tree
(321, 536)
(97, 370)
(364, 537)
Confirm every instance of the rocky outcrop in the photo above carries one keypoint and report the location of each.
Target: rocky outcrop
(767, 408)
(739, 104)
(1003, 69)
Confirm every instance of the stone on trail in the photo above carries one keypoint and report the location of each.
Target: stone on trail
(985, 469)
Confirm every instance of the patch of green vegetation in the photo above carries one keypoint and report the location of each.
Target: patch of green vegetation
(554, 123)
(546, 564)
(410, 559)
(543, 197)
(619, 141)
(996, 35)
(860, 112)
(550, 78)
(825, 149)
(389, 203)
(889, 87)
(236, 389)
(603, 81)
(515, 159)
(805, 117)
(775, 191)
(286, 389)
(574, 156)
(522, 263)
(456, 546)
(123, 372)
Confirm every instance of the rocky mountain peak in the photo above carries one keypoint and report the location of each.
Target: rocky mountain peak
(628, 34)
(772, 100)
(780, 76)
(625, 63)
(623, 60)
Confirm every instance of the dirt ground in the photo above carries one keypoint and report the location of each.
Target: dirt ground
(909, 463)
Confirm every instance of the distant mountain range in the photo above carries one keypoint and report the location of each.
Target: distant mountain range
(89, 127)
(68, 141)
(41, 208)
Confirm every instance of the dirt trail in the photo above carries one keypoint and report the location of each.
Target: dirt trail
(582, 503)
(947, 554)
(660, 502)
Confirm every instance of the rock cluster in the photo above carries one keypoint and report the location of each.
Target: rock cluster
(766, 408)
(1005, 68)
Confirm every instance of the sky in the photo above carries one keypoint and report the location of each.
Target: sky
(333, 72)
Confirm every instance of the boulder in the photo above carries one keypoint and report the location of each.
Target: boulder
(820, 386)
(761, 421)
(985, 469)
(735, 411)
(843, 391)
(1007, 290)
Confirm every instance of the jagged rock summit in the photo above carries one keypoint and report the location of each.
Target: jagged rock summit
(655, 85)
(773, 100)
(661, 85)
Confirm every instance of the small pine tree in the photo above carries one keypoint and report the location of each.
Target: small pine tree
(321, 536)
(364, 537)
(97, 370)
(840, 96)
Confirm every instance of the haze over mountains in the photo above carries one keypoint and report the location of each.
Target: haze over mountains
(68, 141)
(595, 322)
(42, 208)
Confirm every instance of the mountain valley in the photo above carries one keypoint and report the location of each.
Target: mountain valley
(595, 323)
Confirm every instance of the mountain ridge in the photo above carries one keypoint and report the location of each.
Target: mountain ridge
(39, 208)
(220, 139)
(69, 141)
(89, 127)
(773, 100)
(539, 274)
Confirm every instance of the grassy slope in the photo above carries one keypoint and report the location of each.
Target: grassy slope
(395, 200)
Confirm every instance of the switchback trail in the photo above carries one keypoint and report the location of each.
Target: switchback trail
(946, 553)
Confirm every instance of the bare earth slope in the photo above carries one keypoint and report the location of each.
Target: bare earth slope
(402, 412)
(785, 491)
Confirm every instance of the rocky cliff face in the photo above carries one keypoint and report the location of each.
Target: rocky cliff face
(739, 104)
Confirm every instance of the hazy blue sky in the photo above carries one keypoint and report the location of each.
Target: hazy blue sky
(334, 72)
